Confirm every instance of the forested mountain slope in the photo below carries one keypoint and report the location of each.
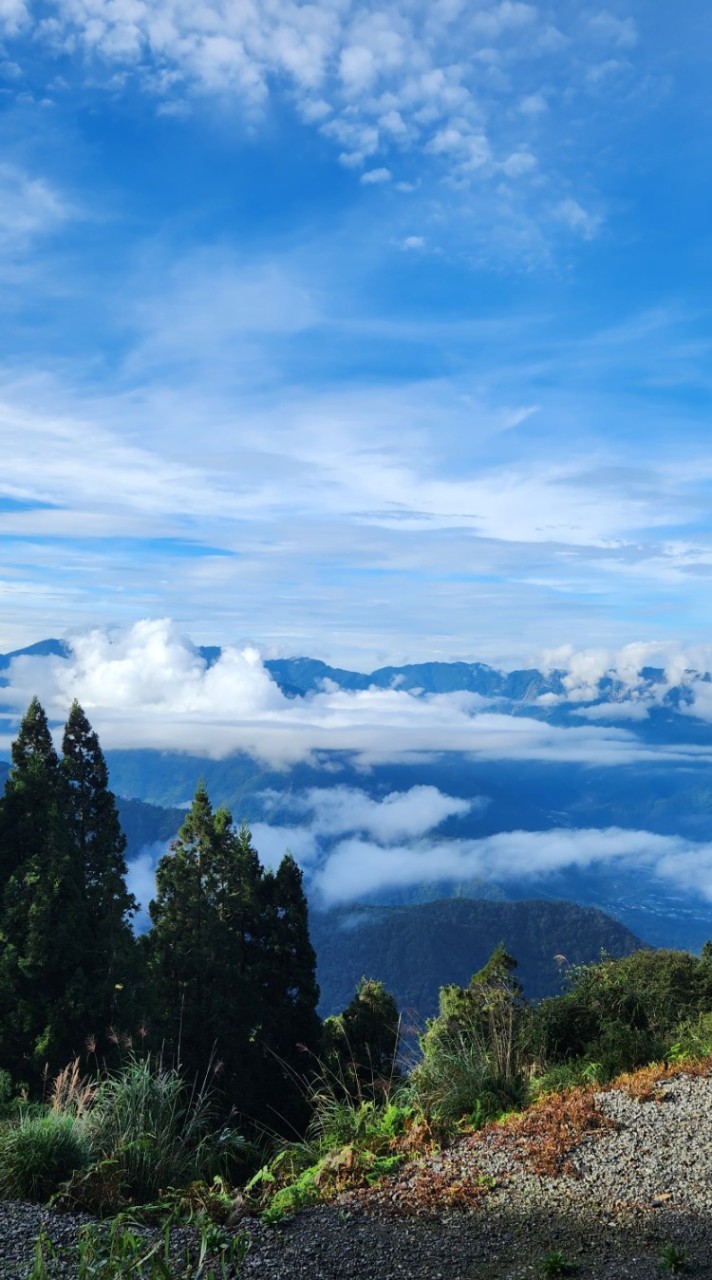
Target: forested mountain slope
(416, 949)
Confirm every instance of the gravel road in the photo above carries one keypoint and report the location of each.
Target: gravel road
(628, 1191)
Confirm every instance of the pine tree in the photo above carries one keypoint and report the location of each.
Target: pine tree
(181, 943)
(42, 975)
(230, 961)
(289, 1030)
(99, 845)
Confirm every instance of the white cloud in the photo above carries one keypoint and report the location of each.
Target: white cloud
(584, 669)
(148, 687)
(413, 242)
(399, 815)
(141, 880)
(501, 17)
(358, 868)
(621, 32)
(534, 104)
(519, 163)
(14, 16)
(438, 81)
(375, 176)
(29, 206)
(573, 214)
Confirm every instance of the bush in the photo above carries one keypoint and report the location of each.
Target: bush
(473, 1051)
(160, 1132)
(39, 1153)
(458, 1080)
(693, 1039)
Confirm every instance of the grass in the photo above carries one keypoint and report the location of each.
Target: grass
(39, 1152)
(555, 1263)
(673, 1259)
(104, 1144)
(148, 1130)
(122, 1249)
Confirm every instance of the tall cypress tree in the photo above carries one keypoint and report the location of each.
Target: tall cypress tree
(99, 845)
(230, 961)
(289, 1030)
(42, 975)
(181, 954)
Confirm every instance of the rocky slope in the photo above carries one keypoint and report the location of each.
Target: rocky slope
(610, 1179)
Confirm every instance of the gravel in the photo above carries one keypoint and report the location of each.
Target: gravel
(632, 1189)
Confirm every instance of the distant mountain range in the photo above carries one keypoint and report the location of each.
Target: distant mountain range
(665, 793)
(300, 676)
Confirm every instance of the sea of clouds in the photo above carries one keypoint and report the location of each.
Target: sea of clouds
(149, 687)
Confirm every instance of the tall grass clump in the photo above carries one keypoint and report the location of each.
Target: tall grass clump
(459, 1080)
(39, 1152)
(472, 1065)
(158, 1130)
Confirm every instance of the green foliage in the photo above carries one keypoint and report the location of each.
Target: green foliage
(360, 1045)
(673, 1259)
(693, 1039)
(157, 1131)
(556, 1263)
(230, 961)
(99, 845)
(621, 1014)
(68, 959)
(122, 1249)
(40, 1152)
(349, 1141)
(472, 1052)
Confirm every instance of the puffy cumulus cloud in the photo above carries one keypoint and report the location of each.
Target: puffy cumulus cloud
(400, 815)
(359, 867)
(628, 670)
(375, 176)
(149, 686)
(14, 16)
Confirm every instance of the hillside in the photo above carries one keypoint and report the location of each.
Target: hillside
(627, 1185)
(416, 949)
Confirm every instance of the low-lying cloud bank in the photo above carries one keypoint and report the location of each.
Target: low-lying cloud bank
(149, 687)
(357, 867)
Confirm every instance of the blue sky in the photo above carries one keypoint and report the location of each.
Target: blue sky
(377, 332)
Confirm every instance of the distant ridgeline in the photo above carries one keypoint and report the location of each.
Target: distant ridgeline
(414, 950)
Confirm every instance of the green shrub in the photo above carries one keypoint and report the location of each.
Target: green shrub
(473, 1051)
(40, 1152)
(556, 1263)
(457, 1080)
(159, 1130)
(693, 1039)
(673, 1259)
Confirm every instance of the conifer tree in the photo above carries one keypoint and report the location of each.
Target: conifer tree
(289, 964)
(99, 845)
(180, 945)
(42, 919)
(202, 949)
(230, 961)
